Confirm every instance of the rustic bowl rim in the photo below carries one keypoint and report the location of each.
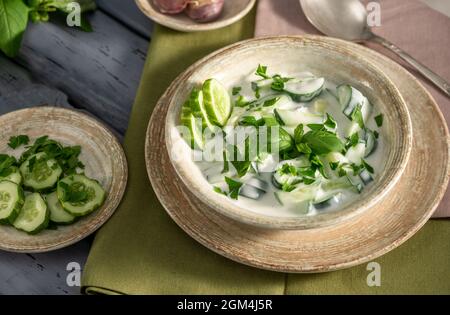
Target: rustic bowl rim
(171, 21)
(302, 222)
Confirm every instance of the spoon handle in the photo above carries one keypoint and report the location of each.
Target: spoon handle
(424, 70)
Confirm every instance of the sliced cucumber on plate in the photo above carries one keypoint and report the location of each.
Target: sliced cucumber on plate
(40, 173)
(34, 215)
(11, 201)
(57, 212)
(80, 195)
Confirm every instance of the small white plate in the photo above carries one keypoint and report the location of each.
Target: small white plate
(101, 153)
(233, 11)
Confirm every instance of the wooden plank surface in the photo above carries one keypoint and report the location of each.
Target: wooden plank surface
(98, 72)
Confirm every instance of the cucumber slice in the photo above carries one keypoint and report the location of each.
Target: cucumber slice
(371, 142)
(76, 184)
(57, 212)
(11, 201)
(299, 116)
(305, 90)
(34, 216)
(195, 136)
(216, 101)
(44, 175)
(258, 183)
(349, 97)
(366, 177)
(251, 192)
(14, 176)
(298, 200)
(356, 153)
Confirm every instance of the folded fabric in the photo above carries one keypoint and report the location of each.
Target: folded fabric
(411, 25)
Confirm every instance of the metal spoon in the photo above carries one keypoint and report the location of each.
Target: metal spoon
(347, 19)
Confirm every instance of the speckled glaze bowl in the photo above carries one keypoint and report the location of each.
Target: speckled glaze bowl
(233, 11)
(322, 57)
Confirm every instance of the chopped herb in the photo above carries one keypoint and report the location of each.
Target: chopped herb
(72, 193)
(316, 127)
(303, 148)
(278, 118)
(32, 163)
(356, 168)
(376, 134)
(357, 116)
(285, 141)
(288, 169)
(236, 90)
(219, 190)
(251, 121)
(317, 164)
(226, 167)
(352, 140)
(334, 165)
(330, 122)
(257, 93)
(17, 141)
(287, 187)
(241, 101)
(233, 187)
(278, 83)
(262, 71)
(6, 164)
(323, 142)
(271, 102)
(379, 120)
(367, 166)
(298, 133)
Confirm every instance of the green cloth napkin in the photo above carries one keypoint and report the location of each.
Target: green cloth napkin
(142, 251)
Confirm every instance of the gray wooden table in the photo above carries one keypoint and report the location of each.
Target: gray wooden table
(96, 72)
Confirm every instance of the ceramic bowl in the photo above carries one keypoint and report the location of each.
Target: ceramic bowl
(233, 11)
(291, 54)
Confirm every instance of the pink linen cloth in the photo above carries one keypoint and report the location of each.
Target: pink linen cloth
(411, 25)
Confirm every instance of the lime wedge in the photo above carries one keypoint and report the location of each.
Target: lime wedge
(216, 101)
(195, 136)
(198, 108)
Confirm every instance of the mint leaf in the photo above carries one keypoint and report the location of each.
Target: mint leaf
(236, 90)
(330, 122)
(251, 121)
(379, 120)
(262, 71)
(367, 166)
(233, 187)
(316, 127)
(352, 140)
(323, 142)
(6, 162)
(271, 102)
(219, 190)
(13, 22)
(17, 141)
(357, 116)
(298, 133)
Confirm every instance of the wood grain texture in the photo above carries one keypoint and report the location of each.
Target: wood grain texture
(104, 161)
(380, 229)
(99, 71)
(233, 11)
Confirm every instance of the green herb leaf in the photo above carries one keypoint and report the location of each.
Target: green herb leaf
(330, 122)
(288, 169)
(298, 133)
(73, 194)
(262, 71)
(367, 166)
(13, 22)
(316, 127)
(219, 190)
(334, 165)
(241, 102)
(352, 140)
(271, 102)
(303, 148)
(236, 90)
(323, 142)
(6, 163)
(357, 116)
(17, 141)
(379, 120)
(233, 187)
(251, 121)
(285, 142)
